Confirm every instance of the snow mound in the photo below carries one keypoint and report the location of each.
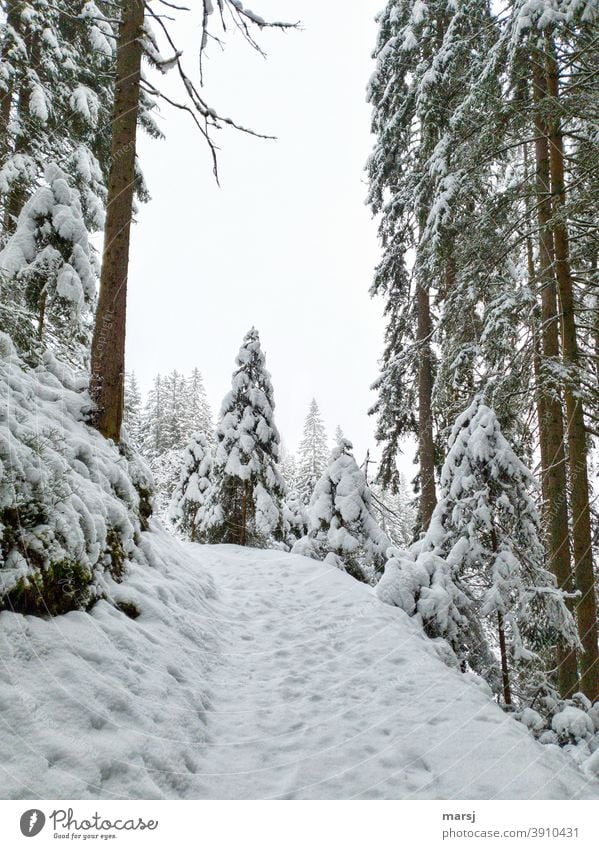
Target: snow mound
(253, 674)
(102, 705)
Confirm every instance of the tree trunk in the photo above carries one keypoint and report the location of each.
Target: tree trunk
(17, 196)
(505, 675)
(108, 344)
(12, 20)
(586, 606)
(551, 426)
(244, 515)
(555, 527)
(426, 444)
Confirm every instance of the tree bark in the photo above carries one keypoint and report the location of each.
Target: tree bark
(505, 675)
(426, 444)
(108, 344)
(555, 527)
(586, 606)
(551, 425)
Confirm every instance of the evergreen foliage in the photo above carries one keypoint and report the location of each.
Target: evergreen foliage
(247, 499)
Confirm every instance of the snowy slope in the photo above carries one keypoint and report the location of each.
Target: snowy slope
(252, 674)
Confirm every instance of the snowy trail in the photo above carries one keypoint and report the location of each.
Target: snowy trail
(324, 692)
(252, 674)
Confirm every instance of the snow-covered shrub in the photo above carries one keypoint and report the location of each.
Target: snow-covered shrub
(245, 506)
(187, 506)
(572, 724)
(341, 519)
(72, 506)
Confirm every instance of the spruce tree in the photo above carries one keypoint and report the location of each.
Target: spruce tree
(341, 519)
(246, 502)
(51, 268)
(133, 411)
(312, 453)
(197, 411)
(481, 560)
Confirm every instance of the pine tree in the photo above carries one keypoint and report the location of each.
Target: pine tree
(57, 81)
(422, 181)
(313, 453)
(133, 411)
(153, 439)
(186, 510)
(296, 517)
(246, 502)
(341, 519)
(197, 413)
(288, 468)
(175, 411)
(51, 267)
(481, 560)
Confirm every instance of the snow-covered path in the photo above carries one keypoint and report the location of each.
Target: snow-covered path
(252, 674)
(324, 692)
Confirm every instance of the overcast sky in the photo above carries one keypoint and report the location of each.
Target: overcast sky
(287, 243)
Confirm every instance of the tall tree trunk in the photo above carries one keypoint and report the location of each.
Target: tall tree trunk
(556, 528)
(12, 20)
(551, 427)
(586, 606)
(108, 344)
(426, 444)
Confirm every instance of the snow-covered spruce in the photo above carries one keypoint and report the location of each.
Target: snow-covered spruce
(132, 424)
(50, 267)
(342, 526)
(313, 453)
(296, 517)
(72, 506)
(480, 564)
(187, 506)
(246, 501)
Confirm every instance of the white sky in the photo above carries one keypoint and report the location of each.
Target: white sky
(287, 243)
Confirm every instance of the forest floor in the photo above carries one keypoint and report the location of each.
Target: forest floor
(253, 674)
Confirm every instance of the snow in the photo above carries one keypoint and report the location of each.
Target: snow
(253, 674)
(572, 722)
(71, 490)
(38, 105)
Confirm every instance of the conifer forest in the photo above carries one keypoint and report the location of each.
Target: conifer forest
(257, 570)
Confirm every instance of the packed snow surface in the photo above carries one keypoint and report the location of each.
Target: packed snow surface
(253, 674)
